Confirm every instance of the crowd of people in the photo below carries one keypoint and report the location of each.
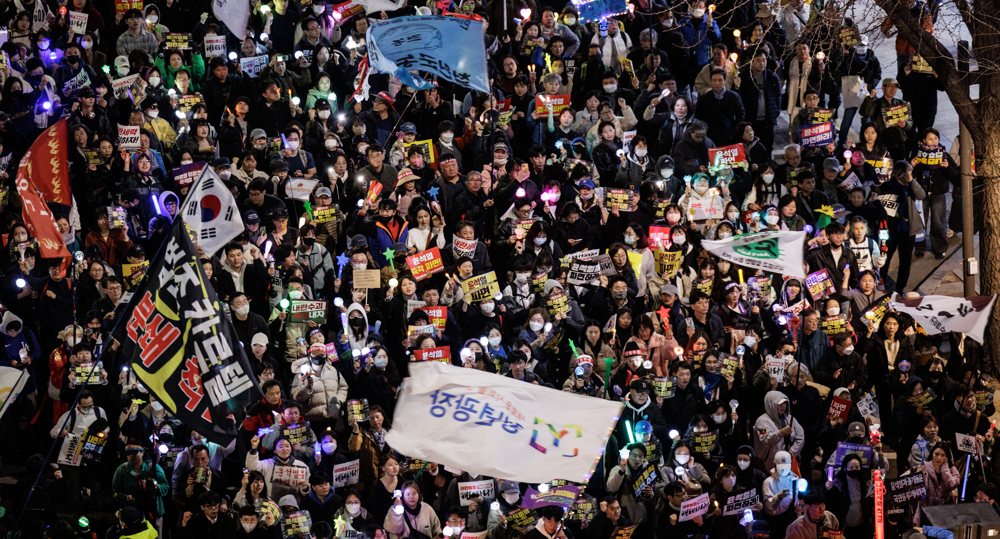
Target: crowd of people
(733, 379)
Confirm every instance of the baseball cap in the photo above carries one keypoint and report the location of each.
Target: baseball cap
(86, 91)
(323, 192)
(251, 217)
(586, 182)
(279, 165)
(359, 242)
(258, 133)
(509, 487)
(640, 385)
(260, 338)
(669, 289)
(889, 81)
(856, 430)
(783, 460)
(500, 147)
(831, 163)
(279, 213)
(222, 162)
(408, 128)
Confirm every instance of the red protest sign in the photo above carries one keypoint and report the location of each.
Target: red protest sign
(558, 103)
(438, 315)
(121, 6)
(423, 265)
(441, 353)
(728, 156)
(839, 408)
(373, 192)
(659, 235)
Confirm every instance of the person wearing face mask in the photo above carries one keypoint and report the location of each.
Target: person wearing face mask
(726, 527)
(355, 336)
(354, 516)
(816, 519)
(497, 526)
(320, 388)
(70, 70)
(246, 323)
(747, 475)
(377, 381)
(777, 431)
(765, 190)
(777, 494)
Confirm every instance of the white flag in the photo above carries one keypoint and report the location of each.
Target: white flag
(942, 314)
(500, 427)
(235, 13)
(210, 213)
(11, 383)
(776, 252)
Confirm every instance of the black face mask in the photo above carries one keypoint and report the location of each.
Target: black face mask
(317, 360)
(72, 59)
(935, 376)
(308, 242)
(356, 322)
(854, 474)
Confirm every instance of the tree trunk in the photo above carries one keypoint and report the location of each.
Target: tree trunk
(988, 168)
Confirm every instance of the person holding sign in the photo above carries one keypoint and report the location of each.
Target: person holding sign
(319, 386)
(816, 520)
(620, 480)
(892, 131)
(294, 474)
(410, 514)
(936, 172)
(940, 478)
(669, 524)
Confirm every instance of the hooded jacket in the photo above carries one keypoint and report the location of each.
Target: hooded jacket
(355, 341)
(752, 477)
(425, 522)
(323, 398)
(775, 484)
(803, 528)
(689, 156)
(767, 440)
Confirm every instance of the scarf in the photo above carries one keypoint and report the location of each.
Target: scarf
(796, 74)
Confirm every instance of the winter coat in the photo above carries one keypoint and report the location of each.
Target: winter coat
(750, 94)
(266, 467)
(426, 522)
(938, 488)
(775, 484)
(619, 485)
(323, 398)
(803, 528)
(766, 440)
(721, 115)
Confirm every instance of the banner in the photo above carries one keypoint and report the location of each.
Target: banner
(47, 165)
(776, 252)
(523, 432)
(693, 508)
(664, 386)
(618, 199)
(942, 314)
(583, 272)
(839, 408)
(893, 115)
(38, 218)
(557, 102)
(563, 496)
(308, 311)
(930, 156)
(253, 65)
(727, 156)
(668, 262)
(324, 214)
(704, 442)
(469, 490)
(132, 274)
(210, 213)
(353, 7)
(235, 13)
(131, 87)
(600, 9)
(449, 47)
(440, 353)
(438, 315)
(862, 450)
(645, 479)
(187, 174)
(181, 346)
(906, 489)
(463, 247)
(215, 45)
(819, 284)
(296, 524)
(11, 383)
(128, 137)
(424, 264)
(301, 188)
(816, 134)
(481, 287)
(738, 501)
(345, 474)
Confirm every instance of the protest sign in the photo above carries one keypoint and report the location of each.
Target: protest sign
(116, 217)
(424, 264)
(659, 236)
(76, 82)
(187, 102)
(965, 443)
(668, 262)
(850, 37)
(618, 199)
(738, 501)
(730, 364)
(69, 451)
(647, 478)
(413, 331)
(704, 442)
(345, 474)
(600, 9)
(440, 353)
(920, 65)
(179, 41)
(426, 147)
(468, 491)
(862, 450)
(93, 445)
(664, 386)
(906, 489)
(324, 214)
(128, 137)
(438, 315)
(252, 65)
(463, 247)
(930, 156)
(816, 134)
(820, 284)
(776, 368)
(556, 102)
(877, 310)
(187, 174)
(583, 510)
(301, 188)
(819, 116)
(849, 182)
(296, 524)
(133, 273)
(833, 325)
(78, 22)
(560, 495)
(923, 399)
(693, 508)
(891, 116)
(522, 518)
(367, 279)
(623, 532)
(505, 111)
(121, 6)
(728, 156)
(582, 273)
(131, 87)
(308, 311)
(481, 287)
(839, 408)
(88, 372)
(882, 167)
(290, 475)
(215, 45)
(557, 303)
(296, 433)
(867, 406)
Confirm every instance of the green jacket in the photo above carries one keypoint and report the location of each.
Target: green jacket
(196, 70)
(124, 484)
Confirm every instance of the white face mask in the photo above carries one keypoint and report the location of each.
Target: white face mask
(521, 278)
(186, 162)
(153, 18)
(667, 172)
(768, 178)
(630, 239)
(570, 21)
(511, 499)
(733, 216)
(242, 311)
(447, 137)
(540, 241)
(610, 88)
(87, 44)
(381, 362)
(329, 447)
(330, 144)
(673, 218)
(500, 161)
(771, 219)
(495, 342)
(293, 145)
(833, 311)
(122, 71)
(849, 350)
(225, 174)
(353, 508)
(698, 13)
(719, 419)
(679, 240)
(743, 464)
(323, 114)
(156, 406)
(248, 527)
(536, 326)
(667, 23)
(153, 113)
(640, 153)
(318, 8)
(362, 149)
(295, 294)
(487, 307)
(862, 50)
(728, 482)
(359, 265)
(682, 459)
(784, 471)
(724, 235)
(154, 81)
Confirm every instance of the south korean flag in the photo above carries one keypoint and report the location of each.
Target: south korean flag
(210, 213)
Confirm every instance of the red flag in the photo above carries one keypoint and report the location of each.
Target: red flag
(47, 164)
(39, 220)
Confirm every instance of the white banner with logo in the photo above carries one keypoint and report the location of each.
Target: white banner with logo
(522, 432)
(776, 252)
(943, 314)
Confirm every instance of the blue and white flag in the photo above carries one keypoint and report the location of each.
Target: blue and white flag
(449, 47)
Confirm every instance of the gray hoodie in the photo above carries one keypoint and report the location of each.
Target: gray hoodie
(766, 437)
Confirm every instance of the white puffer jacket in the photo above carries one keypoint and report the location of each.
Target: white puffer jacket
(328, 392)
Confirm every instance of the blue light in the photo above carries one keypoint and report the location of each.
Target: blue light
(156, 204)
(47, 105)
(808, 229)
(802, 485)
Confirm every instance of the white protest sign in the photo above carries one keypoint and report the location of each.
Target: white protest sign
(252, 66)
(69, 453)
(290, 475)
(346, 474)
(474, 489)
(215, 46)
(128, 137)
(693, 508)
(300, 188)
(963, 442)
(867, 406)
(78, 22)
(776, 368)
